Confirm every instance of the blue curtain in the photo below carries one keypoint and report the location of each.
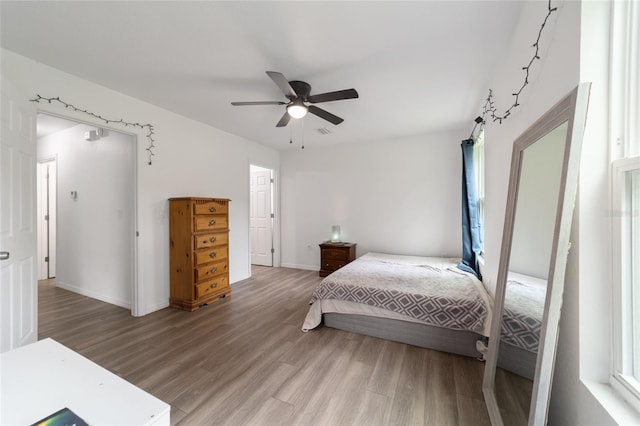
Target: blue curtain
(471, 226)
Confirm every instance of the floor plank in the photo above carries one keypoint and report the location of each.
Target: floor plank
(244, 361)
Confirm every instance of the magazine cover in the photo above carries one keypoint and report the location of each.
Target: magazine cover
(64, 417)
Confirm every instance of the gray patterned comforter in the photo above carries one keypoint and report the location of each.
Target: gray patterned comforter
(433, 291)
(522, 317)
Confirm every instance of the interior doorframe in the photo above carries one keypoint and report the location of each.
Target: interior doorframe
(275, 196)
(40, 211)
(137, 136)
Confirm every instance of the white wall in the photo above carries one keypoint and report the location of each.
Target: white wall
(192, 159)
(553, 77)
(395, 196)
(95, 230)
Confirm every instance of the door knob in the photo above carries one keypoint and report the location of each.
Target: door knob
(4, 255)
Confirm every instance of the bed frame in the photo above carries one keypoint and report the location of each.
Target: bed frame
(459, 342)
(517, 360)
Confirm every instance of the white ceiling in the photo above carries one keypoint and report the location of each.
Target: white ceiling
(48, 125)
(419, 67)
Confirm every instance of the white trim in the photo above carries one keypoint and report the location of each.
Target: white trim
(624, 110)
(621, 379)
(296, 266)
(627, 389)
(94, 295)
(621, 412)
(624, 101)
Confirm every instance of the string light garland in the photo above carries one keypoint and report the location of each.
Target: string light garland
(489, 107)
(149, 127)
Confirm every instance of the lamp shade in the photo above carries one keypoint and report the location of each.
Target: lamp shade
(335, 233)
(297, 110)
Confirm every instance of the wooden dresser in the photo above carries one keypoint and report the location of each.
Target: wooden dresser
(199, 251)
(334, 256)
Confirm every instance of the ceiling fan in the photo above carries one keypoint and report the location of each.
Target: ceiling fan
(299, 93)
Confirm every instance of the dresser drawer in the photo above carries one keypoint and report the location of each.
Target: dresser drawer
(333, 265)
(208, 271)
(211, 255)
(210, 222)
(210, 207)
(215, 285)
(210, 240)
(334, 254)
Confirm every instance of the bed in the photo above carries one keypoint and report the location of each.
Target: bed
(423, 301)
(521, 324)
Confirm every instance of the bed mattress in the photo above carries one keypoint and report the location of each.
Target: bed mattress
(523, 310)
(427, 290)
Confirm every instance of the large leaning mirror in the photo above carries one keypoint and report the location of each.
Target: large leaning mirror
(535, 245)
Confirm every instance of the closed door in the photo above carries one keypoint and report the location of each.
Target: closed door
(260, 217)
(18, 234)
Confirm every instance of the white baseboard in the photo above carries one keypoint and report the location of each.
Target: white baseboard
(305, 267)
(150, 308)
(94, 295)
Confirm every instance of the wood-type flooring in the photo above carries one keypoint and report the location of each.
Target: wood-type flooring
(243, 360)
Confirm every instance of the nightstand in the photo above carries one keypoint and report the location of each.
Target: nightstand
(334, 256)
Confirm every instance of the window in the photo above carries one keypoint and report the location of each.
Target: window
(626, 276)
(478, 158)
(633, 197)
(625, 197)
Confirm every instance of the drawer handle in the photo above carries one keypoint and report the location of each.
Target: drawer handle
(212, 239)
(213, 254)
(214, 285)
(212, 209)
(212, 222)
(214, 270)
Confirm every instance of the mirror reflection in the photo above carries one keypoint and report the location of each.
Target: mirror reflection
(535, 244)
(529, 261)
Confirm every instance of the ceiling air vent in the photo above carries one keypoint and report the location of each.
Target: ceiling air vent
(323, 131)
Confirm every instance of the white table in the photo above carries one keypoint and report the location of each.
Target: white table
(41, 378)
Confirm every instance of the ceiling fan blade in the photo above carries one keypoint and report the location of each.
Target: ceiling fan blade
(282, 83)
(284, 120)
(259, 103)
(325, 114)
(333, 96)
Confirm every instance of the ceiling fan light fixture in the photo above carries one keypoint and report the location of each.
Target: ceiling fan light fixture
(299, 92)
(297, 110)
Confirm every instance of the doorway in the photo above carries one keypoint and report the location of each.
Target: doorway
(46, 208)
(261, 216)
(91, 198)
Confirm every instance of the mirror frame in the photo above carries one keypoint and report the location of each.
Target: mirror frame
(571, 109)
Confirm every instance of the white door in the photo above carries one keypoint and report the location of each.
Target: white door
(18, 236)
(260, 218)
(46, 219)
